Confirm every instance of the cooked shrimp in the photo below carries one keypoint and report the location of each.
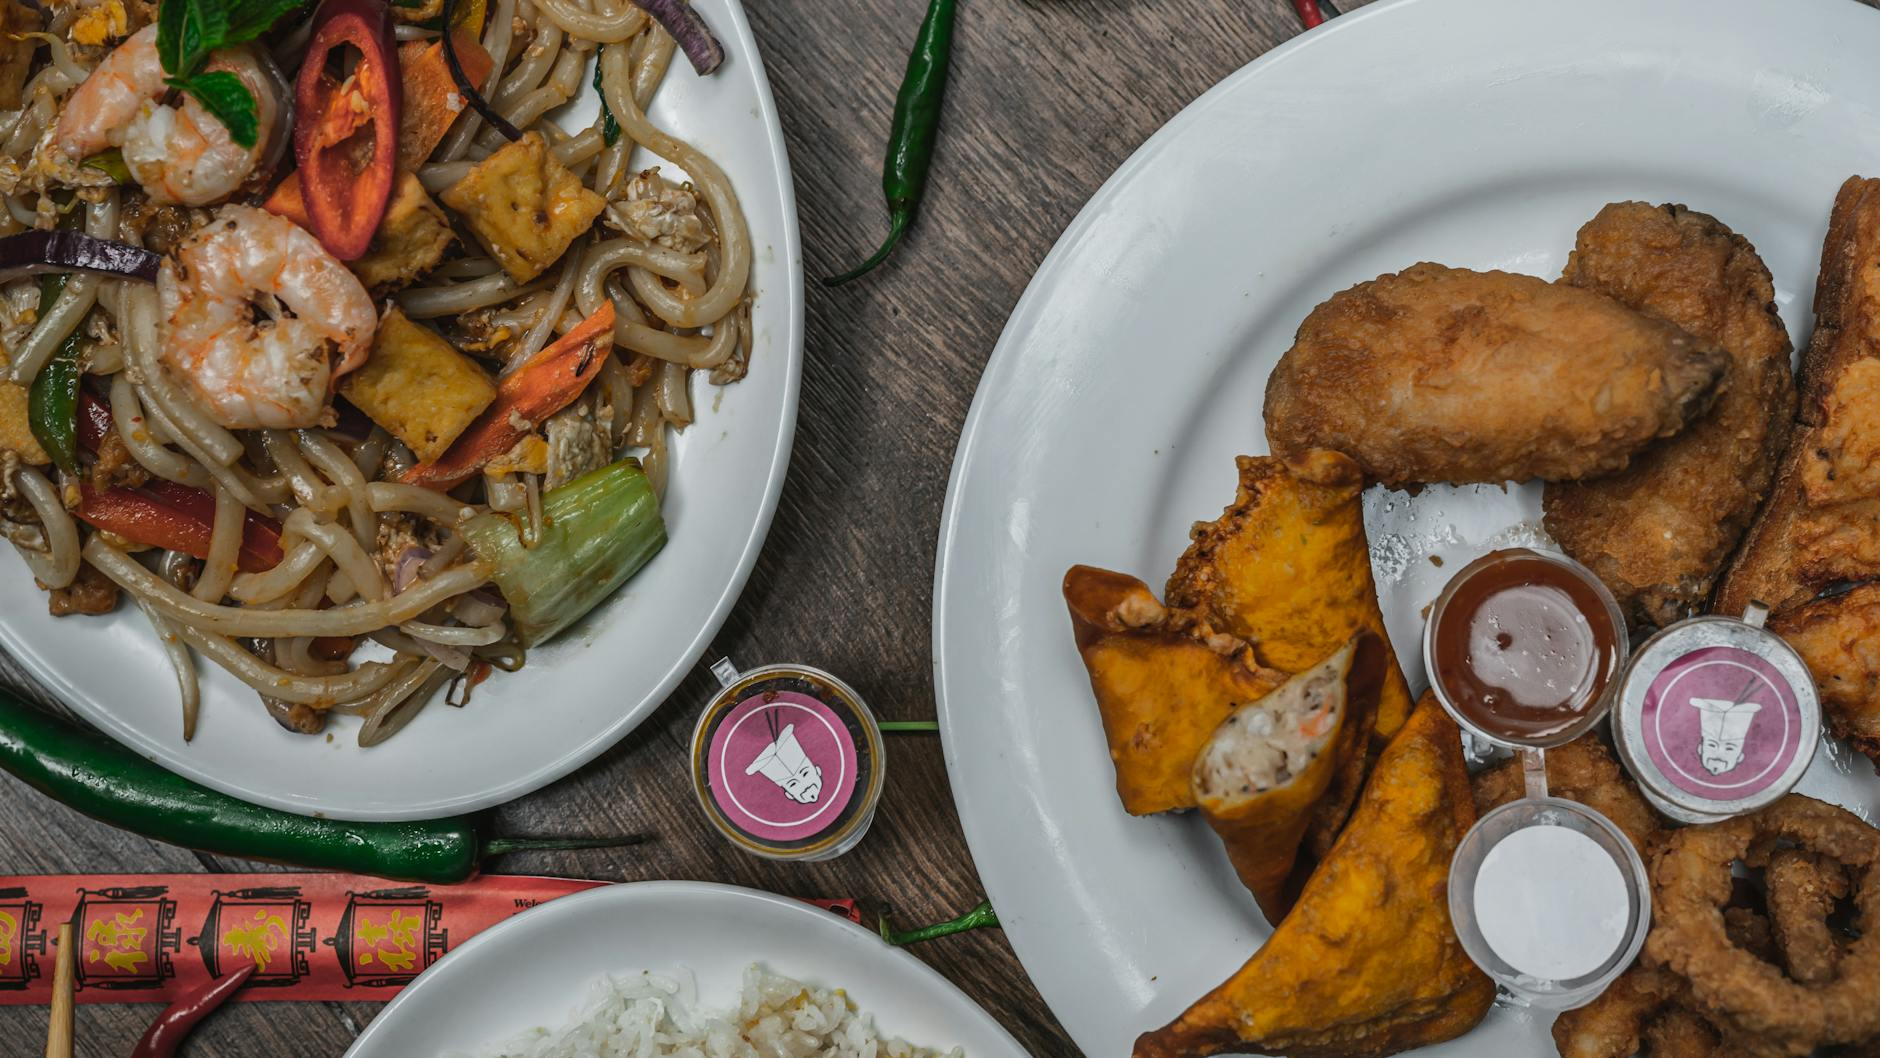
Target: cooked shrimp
(181, 155)
(260, 320)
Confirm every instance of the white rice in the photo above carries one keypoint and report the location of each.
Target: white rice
(645, 1016)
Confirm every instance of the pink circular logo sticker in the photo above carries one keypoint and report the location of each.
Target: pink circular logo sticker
(782, 767)
(1722, 723)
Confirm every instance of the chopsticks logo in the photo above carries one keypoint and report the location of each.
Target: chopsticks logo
(782, 767)
(1722, 723)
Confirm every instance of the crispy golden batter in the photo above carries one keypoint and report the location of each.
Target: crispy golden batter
(1801, 542)
(1839, 638)
(1658, 532)
(1258, 780)
(1367, 963)
(1582, 770)
(1740, 993)
(1803, 889)
(1287, 568)
(1613, 1025)
(1440, 374)
(1161, 692)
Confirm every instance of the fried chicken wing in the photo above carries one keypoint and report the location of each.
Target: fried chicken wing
(1287, 568)
(1839, 638)
(1367, 964)
(1161, 692)
(1659, 531)
(1582, 770)
(1272, 761)
(1816, 527)
(1439, 374)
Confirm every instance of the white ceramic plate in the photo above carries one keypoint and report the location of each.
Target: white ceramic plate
(537, 969)
(1479, 133)
(584, 691)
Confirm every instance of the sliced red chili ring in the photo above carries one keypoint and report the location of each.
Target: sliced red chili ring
(346, 138)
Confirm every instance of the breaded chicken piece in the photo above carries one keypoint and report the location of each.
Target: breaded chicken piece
(1439, 374)
(1808, 536)
(1583, 770)
(1839, 638)
(1659, 531)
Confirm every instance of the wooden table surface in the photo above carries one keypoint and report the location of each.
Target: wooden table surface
(1047, 98)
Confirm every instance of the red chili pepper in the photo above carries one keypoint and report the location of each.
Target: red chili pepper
(94, 420)
(177, 517)
(845, 907)
(167, 1033)
(346, 140)
(527, 396)
(1309, 13)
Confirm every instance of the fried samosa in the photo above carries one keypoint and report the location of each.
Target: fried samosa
(1287, 568)
(1367, 964)
(1161, 691)
(1271, 761)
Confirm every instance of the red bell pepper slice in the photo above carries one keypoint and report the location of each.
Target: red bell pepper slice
(346, 138)
(176, 517)
(549, 382)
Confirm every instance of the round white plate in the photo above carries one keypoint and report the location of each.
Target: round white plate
(584, 691)
(537, 969)
(1478, 133)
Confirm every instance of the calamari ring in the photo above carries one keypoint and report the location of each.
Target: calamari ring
(1691, 884)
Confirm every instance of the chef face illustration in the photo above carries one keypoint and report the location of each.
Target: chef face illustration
(784, 763)
(1725, 724)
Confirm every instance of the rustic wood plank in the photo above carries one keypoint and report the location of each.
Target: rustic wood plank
(1048, 97)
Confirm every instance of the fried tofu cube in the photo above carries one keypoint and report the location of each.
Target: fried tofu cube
(16, 435)
(418, 386)
(411, 240)
(524, 206)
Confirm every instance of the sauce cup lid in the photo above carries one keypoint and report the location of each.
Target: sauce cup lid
(787, 762)
(1716, 717)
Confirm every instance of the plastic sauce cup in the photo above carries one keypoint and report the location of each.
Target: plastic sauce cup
(787, 762)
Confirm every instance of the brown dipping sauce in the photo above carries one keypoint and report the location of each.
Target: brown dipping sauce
(1523, 646)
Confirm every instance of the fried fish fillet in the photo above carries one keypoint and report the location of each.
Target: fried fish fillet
(1839, 638)
(1582, 770)
(1816, 527)
(1161, 691)
(1287, 568)
(1271, 761)
(1439, 374)
(1659, 531)
(1367, 964)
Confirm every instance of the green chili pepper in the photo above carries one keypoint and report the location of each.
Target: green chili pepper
(916, 125)
(110, 783)
(978, 918)
(52, 403)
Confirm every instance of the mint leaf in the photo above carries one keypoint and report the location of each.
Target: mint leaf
(248, 19)
(222, 94)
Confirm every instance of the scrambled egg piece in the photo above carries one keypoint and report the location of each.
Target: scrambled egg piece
(411, 239)
(418, 386)
(15, 434)
(101, 23)
(524, 206)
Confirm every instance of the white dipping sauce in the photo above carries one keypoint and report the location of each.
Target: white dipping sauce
(1551, 902)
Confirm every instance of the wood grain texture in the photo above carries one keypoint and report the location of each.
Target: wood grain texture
(1047, 98)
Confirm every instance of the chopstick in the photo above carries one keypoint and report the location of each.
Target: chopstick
(59, 1033)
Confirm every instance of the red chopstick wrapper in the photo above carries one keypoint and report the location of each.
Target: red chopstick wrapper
(151, 938)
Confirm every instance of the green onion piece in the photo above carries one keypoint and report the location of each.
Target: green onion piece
(597, 531)
(978, 918)
(610, 129)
